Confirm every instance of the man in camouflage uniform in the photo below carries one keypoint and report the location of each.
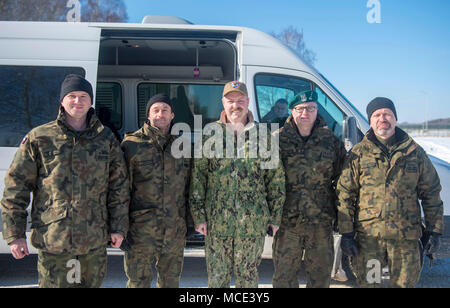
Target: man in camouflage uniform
(312, 157)
(159, 196)
(233, 200)
(385, 176)
(75, 169)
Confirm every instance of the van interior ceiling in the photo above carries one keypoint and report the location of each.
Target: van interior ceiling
(185, 60)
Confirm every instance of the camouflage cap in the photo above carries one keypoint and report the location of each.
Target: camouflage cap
(303, 97)
(235, 86)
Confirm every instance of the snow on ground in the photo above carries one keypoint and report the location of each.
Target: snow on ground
(439, 147)
(436, 146)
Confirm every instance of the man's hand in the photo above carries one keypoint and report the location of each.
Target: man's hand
(116, 240)
(19, 248)
(274, 229)
(433, 244)
(201, 228)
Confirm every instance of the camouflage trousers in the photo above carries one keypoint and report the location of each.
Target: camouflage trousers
(169, 264)
(402, 257)
(312, 243)
(69, 271)
(227, 255)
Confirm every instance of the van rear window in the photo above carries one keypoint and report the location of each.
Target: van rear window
(188, 99)
(29, 98)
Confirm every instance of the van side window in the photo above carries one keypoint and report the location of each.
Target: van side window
(188, 100)
(330, 112)
(274, 93)
(108, 104)
(29, 98)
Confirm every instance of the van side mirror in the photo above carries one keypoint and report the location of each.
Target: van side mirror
(350, 132)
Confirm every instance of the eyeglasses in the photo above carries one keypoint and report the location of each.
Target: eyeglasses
(308, 108)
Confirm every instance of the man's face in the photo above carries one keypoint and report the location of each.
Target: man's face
(281, 109)
(235, 105)
(77, 104)
(160, 115)
(383, 122)
(305, 114)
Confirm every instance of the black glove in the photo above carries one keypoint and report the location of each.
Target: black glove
(433, 244)
(348, 244)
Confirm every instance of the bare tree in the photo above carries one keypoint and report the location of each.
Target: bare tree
(56, 10)
(294, 39)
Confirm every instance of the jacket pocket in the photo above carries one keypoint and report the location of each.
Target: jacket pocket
(368, 213)
(52, 214)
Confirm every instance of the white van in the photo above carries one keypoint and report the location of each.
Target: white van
(129, 63)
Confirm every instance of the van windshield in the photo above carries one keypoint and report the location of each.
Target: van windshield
(342, 95)
(188, 100)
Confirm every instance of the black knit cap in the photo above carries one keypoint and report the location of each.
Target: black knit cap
(379, 103)
(159, 98)
(73, 83)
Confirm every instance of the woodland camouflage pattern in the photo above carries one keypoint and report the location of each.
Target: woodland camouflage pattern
(312, 169)
(235, 196)
(159, 187)
(53, 270)
(379, 196)
(158, 209)
(79, 184)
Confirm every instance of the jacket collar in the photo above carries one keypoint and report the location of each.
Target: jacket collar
(290, 131)
(93, 125)
(403, 142)
(250, 120)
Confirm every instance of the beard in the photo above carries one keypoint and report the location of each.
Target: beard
(385, 131)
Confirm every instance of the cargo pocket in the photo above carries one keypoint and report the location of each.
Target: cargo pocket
(51, 231)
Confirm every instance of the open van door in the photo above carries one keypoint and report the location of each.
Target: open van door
(34, 59)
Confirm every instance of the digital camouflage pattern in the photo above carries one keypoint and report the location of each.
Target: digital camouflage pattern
(227, 255)
(312, 168)
(379, 193)
(158, 208)
(60, 271)
(79, 184)
(235, 196)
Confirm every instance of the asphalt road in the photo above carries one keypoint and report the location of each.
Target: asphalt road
(23, 274)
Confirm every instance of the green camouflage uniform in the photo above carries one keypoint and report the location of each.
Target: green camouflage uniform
(379, 194)
(312, 168)
(237, 199)
(158, 208)
(80, 188)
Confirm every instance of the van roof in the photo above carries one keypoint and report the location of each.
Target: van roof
(257, 48)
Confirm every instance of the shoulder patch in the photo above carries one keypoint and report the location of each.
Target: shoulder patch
(24, 139)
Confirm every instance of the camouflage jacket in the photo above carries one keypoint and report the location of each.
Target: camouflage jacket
(379, 192)
(79, 183)
(235, 196)
(159, 186)
(312, 169)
